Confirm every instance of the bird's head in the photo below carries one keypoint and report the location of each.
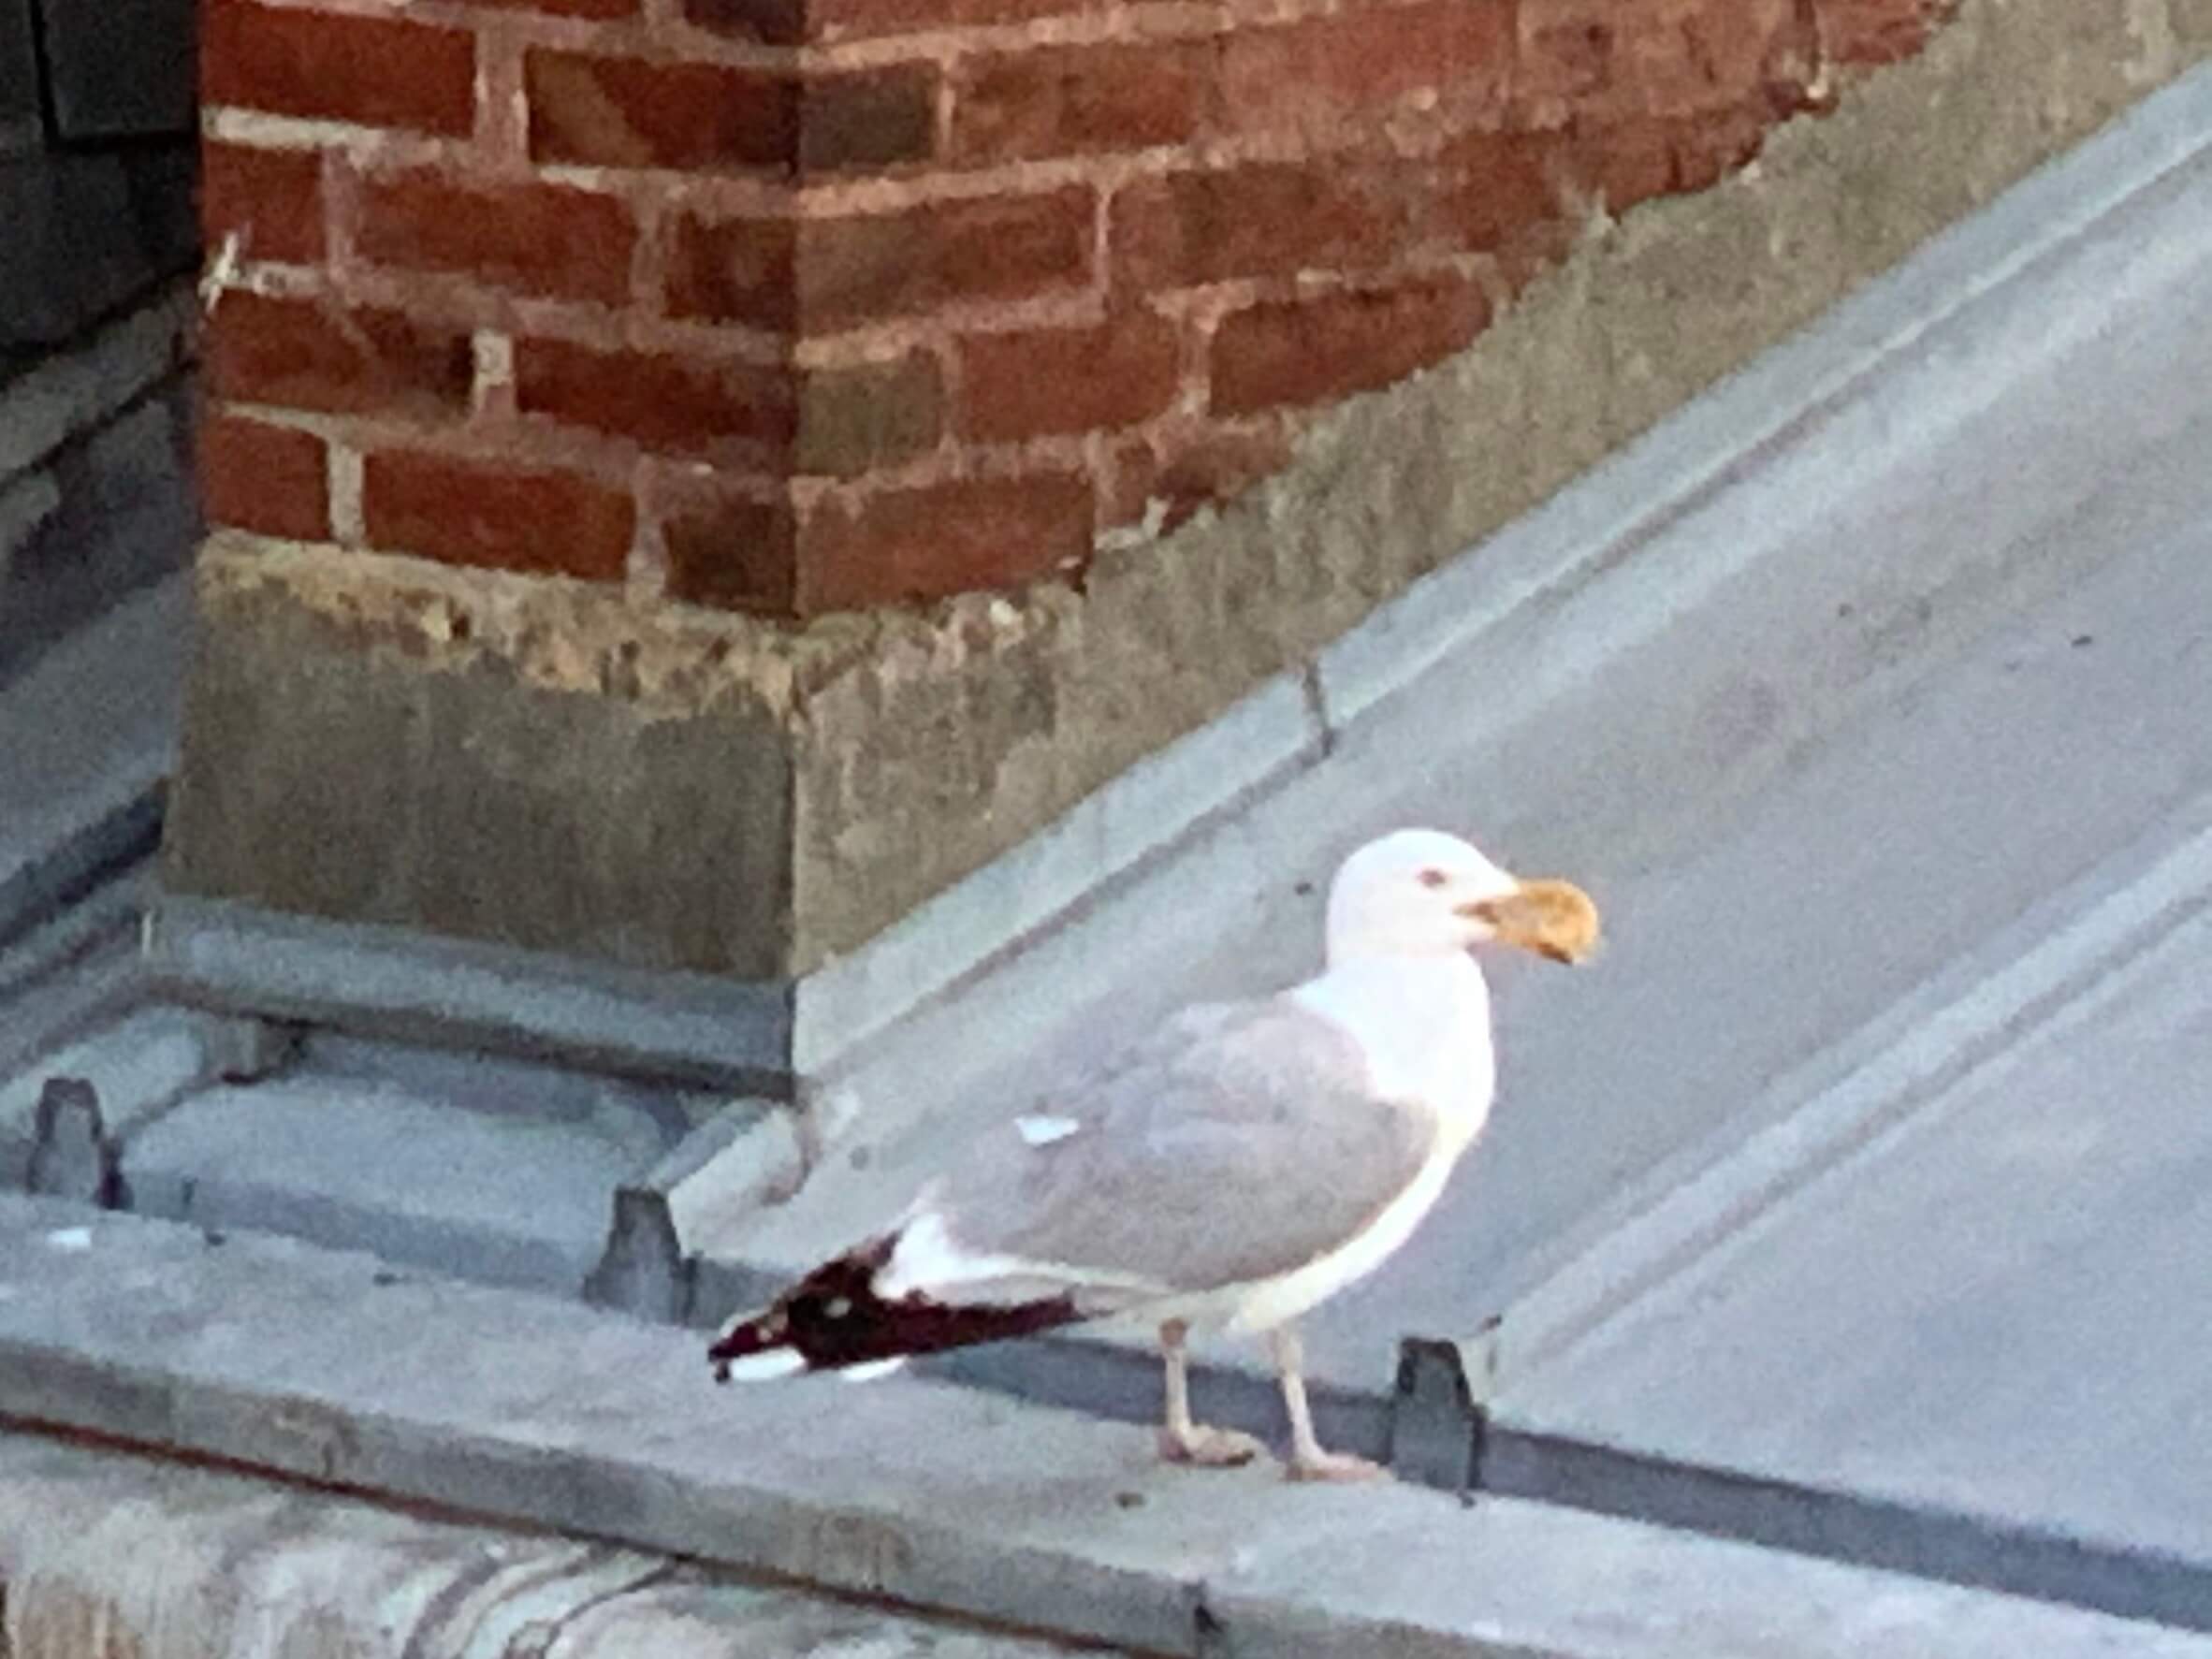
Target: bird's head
(1421, 893)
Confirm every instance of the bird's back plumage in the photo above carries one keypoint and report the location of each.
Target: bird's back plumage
(1191, 1165)
(1236, 1145)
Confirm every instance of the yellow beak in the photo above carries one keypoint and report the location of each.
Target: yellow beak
(1554, 919)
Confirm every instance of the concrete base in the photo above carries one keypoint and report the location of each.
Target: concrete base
(564, 770)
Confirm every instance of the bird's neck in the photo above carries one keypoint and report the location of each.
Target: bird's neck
(1424, 1023)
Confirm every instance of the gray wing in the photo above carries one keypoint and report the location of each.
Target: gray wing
(1238, 1142)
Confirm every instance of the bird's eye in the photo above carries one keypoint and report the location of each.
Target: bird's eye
(1433, 877)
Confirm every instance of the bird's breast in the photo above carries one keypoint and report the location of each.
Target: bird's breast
(1422, 1027)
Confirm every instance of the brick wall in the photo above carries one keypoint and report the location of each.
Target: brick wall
(793, 306)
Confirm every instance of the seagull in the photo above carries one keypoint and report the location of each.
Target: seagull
(1228, 1170)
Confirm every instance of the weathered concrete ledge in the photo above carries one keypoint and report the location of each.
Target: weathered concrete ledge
(107, 1553)
(734, 800)
(337, 1370)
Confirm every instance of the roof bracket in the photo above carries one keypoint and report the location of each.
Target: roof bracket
(72, 1153)
(1439, 1410)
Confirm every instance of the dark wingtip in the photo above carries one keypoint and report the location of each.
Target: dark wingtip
(746, 1337)
(833, 1319)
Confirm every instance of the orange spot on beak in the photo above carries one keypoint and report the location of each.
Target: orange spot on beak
(1555, 920)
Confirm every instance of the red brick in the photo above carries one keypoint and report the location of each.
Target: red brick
(922, 543)
(1187, 470)
(1318, 350)
(1600, 60)
(1621, 163)
(1760, 50)
(335, 67)
(686, 403)
(1069, 380)
(1878, 31)
(788, 22)
(595, 8)
(1635, 160)
(627, 112)
(872, 414)
(1261, 220)
(1073, 99)
(779, 22)
(535, 238)
(878, 118)
(1325, 69)
(272, 199)
(484, 513)
(732, 554)
(319, 354)
(271, 480)
(882, 265)
(1566, 54)
(1498, 190)
(1625, 162)
(735, 271)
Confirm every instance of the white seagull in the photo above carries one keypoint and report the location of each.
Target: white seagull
(1228, 1172)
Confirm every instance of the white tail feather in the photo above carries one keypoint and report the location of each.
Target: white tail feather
(765, 1366)
(870, 1370)
(927, 1259)
(1043, 1128)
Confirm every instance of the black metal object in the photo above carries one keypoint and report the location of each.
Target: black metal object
(1436, 1420)
(23, 126)
(86, 233)
(97, 155)
(117, 71)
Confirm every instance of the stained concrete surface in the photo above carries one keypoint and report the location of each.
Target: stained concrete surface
(546, 818)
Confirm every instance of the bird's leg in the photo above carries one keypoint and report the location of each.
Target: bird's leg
(1182, 1441)
(1308, 1460)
